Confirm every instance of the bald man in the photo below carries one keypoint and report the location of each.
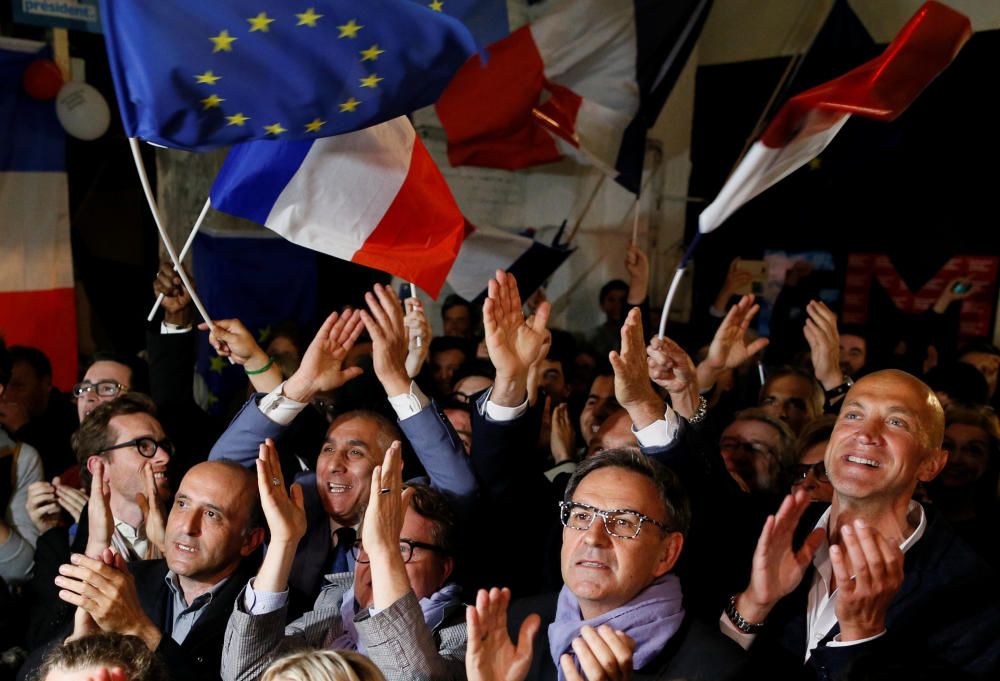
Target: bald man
(881, 587)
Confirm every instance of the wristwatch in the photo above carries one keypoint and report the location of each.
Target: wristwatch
(834, 393)
(737, 619)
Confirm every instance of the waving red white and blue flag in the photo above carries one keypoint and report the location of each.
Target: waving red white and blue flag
(374, 197)
(586, 80)
(881, 89)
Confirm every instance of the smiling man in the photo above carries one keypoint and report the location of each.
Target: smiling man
(876, 564)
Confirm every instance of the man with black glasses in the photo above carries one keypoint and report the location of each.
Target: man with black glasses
(121, 444)
(621, 607)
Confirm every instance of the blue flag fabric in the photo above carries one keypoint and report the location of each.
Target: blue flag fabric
(262, 282)
(198, 75)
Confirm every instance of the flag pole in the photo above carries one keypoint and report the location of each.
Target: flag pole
(635, 222)
(675, 284)
(183, 254)
(148, 191)
(586, 209)
(413, 294)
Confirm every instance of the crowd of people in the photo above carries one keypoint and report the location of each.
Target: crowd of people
(506, 501)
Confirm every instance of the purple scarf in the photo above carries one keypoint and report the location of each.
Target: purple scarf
(433, 608)
(650, 618)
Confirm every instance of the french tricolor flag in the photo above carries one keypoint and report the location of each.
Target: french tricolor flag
(586, 79)
(881, 89)
(37, 301)
(374, 197)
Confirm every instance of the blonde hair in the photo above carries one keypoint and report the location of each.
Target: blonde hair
(323, 665)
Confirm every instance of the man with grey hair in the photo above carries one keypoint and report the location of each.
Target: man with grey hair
(624, 518)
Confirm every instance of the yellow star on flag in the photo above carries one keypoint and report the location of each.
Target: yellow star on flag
(350, 29)
(371, 54)
(237, 119)
(315, 125)
(212, 101)
(436, 5)
(261, 22)
(309, 18)
(274, 129)
(350, 105)
(223, 42)
(212, 398)
(207, 78)
(218, 364)
(371, 81)
(263, 334)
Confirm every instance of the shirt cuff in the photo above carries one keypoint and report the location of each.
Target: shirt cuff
(659, 433)
(278, 408)
(729, 630)
(837, 643)
(409, 404)
(263, 602)
(167, 329)
(496, 412)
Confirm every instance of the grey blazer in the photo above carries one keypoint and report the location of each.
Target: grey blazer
(397, 639)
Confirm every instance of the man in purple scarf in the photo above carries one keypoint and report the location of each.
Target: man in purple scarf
(620, 612)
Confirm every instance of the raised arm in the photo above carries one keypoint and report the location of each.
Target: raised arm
(321, 370)
(433, 439)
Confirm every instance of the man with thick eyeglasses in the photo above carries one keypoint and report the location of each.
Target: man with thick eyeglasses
(398, 607)
(621, 606)
(123, 445)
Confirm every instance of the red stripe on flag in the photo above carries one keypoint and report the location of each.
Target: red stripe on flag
(419, 236)
(488, 110)
(45, 320)
(884, 87)
(558, 113)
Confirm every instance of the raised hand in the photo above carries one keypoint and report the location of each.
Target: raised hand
(418, 328)
(729, 348)
(512, 341)
(824, 344)
(176, 299)
(152, 511)
(869, 571)
(637, 265)
(101, 524)
(71, 499)
(777, 569)
(231, 338)
(562, 437)
(386, 325)
(632, 387)
(380, 531)
(604, 654)
(42, 507)
(322, 366)
(285, 513)
(490, 654)
(672, 369)
(736, 280)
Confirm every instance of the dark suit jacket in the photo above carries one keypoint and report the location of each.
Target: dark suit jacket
(199, 658)
(943, 624)
(696, 652)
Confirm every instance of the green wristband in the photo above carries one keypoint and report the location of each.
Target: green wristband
(270, 361)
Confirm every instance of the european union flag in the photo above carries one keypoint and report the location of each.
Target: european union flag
(197, 75)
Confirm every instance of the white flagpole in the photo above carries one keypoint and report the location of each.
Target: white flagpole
(147, 189)
(183, 254)
(413, 294)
